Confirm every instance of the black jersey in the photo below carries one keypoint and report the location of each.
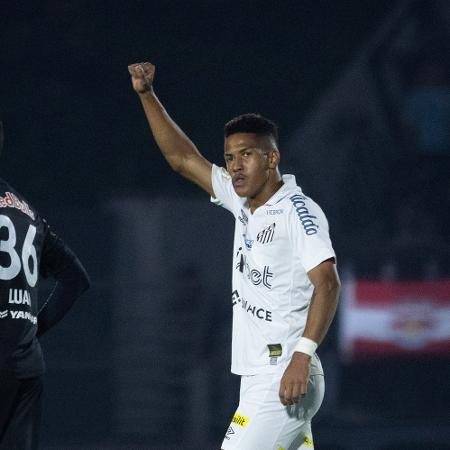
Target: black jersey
(28, 250)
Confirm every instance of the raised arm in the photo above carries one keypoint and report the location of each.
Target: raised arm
(179, 151)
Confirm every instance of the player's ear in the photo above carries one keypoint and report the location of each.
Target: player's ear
(273, 159)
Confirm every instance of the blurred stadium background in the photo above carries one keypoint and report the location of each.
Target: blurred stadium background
(361, 91)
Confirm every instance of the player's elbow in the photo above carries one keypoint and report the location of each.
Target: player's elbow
(336, 288)
(330, 287)
(85, 282)
(75, 278)
(176, 164)
(183, 164)
(334, 284)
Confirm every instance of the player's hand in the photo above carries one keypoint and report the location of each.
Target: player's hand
(142, 75)
(294, 383)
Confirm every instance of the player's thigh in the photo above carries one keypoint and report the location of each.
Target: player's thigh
(9, 387)
(262, 422)
(22, 428)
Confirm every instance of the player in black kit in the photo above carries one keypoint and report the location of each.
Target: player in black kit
(29, 250)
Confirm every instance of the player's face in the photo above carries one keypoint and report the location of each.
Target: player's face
(249, 161)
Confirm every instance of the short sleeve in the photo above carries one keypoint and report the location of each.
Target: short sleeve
(224, 194)
(309, 232)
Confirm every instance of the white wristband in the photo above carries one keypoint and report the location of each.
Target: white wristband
(306, 345)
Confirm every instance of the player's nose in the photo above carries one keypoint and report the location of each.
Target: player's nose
(236, 164)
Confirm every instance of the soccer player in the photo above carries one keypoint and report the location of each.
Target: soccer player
(285, 284)
(29, 250)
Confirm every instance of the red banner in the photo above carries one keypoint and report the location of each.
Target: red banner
(381, 319)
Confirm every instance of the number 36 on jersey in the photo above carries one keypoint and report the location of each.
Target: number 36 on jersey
(21, 254)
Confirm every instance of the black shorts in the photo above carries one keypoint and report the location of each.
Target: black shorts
(20, 412)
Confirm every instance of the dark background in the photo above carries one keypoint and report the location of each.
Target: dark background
(336, 77)
(66, 85)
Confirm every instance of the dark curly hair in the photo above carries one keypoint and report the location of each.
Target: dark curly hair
(252, 123)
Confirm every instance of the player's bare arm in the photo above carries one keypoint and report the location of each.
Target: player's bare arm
(324, 277)
(179, 151)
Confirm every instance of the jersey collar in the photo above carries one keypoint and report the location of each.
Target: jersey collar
(289, 184)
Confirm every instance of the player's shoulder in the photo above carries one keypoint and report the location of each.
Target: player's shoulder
(224, 193)
(11, 200)
(304, 212)
(296, 199)
(221, 173)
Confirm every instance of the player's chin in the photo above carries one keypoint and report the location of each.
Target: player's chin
(241, 191)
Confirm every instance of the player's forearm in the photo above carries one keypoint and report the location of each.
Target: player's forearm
(175, 146)
(322, 310)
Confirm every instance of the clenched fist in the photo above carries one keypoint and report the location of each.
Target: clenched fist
(142, 75)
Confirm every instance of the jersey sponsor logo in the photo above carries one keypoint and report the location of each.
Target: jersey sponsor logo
(240, 420)
(257, 277)
(259, 313)
(243, 218)
(254, 275)
(308, 441)
(23, 315)
(11, 201)
(19, 297)
(274, 212)
(248, 242)
(302, 211)
(266, 234)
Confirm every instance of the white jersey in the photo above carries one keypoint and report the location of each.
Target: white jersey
(274, 249)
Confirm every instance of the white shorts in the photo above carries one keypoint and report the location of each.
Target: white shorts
(261, 422)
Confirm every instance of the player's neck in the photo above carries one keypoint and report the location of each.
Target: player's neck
(265, 194)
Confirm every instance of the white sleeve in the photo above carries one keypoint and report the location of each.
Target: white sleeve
(224, 194)
(309, 232)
